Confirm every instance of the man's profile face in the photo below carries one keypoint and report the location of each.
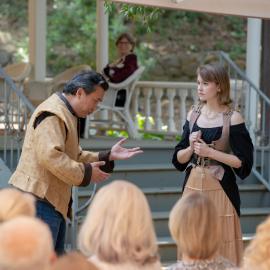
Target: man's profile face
(86, 104)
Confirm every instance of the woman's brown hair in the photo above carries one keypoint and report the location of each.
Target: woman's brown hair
(218, 74)
(128, 37)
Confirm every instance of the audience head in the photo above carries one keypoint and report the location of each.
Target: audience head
(71, 261)
(15, 203)
(218, 74)
(194, 226)
(26, 244)
(118, 227)
(125, 43)
(257, 254)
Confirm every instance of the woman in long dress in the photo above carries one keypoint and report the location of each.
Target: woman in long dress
(215, 138)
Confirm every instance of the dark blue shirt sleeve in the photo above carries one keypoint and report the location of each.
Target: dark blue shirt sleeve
(184, 143)
(241, 146)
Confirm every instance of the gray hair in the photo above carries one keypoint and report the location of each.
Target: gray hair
(87, 80)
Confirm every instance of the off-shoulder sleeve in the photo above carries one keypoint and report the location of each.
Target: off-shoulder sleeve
(242, 147)
(184, 143)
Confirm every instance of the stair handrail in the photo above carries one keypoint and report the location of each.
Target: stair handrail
(76, 210)
(15, 111)
(261, 126)
(18, 92)
(242, 74)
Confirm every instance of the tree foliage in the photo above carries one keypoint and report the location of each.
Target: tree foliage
(144, 16)
(164, 37)
(71, 35)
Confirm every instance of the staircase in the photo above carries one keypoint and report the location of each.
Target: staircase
(153, 171)
(161, 184)
(15, 110)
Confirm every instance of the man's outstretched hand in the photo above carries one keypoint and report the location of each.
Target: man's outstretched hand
(119, 153)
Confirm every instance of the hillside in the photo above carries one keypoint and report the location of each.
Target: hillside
(183, 38)
(171, 51)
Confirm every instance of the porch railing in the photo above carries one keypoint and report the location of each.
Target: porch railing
(163, 106)
(15, 110)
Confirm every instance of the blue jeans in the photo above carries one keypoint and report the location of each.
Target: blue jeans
(56, 222)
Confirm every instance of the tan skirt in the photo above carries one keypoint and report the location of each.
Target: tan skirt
(232, 244)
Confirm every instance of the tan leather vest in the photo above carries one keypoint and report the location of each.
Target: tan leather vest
(53, 174)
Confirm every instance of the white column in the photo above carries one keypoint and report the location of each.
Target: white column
(102, 36)
(37, 13)
(253, 64)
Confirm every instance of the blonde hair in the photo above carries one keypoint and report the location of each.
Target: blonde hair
(14, 203)
(217, 73)
(71, 261)
(257, 254)
(26, 244)
(193, 224)
(118, 227)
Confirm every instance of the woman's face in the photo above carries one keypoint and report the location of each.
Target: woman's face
(207, 90)
(124, 46)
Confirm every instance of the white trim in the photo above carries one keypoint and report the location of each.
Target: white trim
(253, 69)
(102, 36)
(37, 37)
(246, 8)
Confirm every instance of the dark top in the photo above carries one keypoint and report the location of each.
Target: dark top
(122, 71)
(241, 146)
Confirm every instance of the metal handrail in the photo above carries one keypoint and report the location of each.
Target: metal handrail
(226, 57)
(15, 109)
(256, 119)
(76, 210)
(18, 92)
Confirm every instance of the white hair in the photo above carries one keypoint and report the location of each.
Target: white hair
(26, 244)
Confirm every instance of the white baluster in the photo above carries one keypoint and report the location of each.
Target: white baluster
(194, 95)
(147, 96)
(171, 121)
(135, 105)
(183, 112)
(158, 120)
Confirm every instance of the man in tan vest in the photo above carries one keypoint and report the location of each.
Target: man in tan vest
(52, 160)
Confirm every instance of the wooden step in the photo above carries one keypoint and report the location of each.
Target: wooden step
(164, 198)
(249, 219)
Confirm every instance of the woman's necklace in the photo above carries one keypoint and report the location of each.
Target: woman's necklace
(210, 114)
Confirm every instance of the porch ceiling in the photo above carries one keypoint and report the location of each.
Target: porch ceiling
(246, 8)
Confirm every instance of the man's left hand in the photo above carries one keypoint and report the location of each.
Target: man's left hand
(119, 153)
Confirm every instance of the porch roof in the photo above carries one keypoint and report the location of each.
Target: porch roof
(246, 8)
